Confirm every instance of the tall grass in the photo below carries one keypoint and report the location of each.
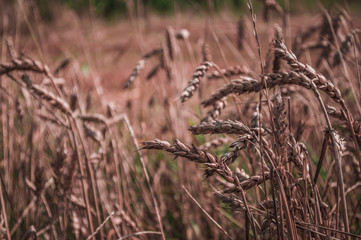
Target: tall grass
(265, 131)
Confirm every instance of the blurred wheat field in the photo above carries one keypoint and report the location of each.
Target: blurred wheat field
(199, 125)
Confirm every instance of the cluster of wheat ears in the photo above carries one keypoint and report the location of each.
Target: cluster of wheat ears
(95, 180)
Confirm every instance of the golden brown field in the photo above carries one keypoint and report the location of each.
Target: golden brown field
(200, 125)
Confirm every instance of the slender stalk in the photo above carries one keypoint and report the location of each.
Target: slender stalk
(130, 129)
(3, 210)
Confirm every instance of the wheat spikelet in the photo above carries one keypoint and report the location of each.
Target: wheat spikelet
(65, 63)
(206, 53)
(341, 115)
(248, 85)
(23, 64)
(192, 153)
(240, 144)
(140, 66)
(96, 118)
(44, 94)
(280, 122)
(136, 71)
(250, 182)
(218, 127)
(193, 84)
(320, 81)
(180, 150)
(345, 47)
(216, 111)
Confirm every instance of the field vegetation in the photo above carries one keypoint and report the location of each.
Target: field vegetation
(188, 121)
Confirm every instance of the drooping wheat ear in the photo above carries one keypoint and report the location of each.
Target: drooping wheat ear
(280, 121)
(216, 111)
(341, 115)
(282, 51)
(23, 64)
(44, 94)
(206, 53)
(345, 47)
(229, 72)
(340, 144)
(193, 84)
(248, 85)
(241, 143)
(318, 82)
(219, 127)
(140, 66)
(180, 149)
